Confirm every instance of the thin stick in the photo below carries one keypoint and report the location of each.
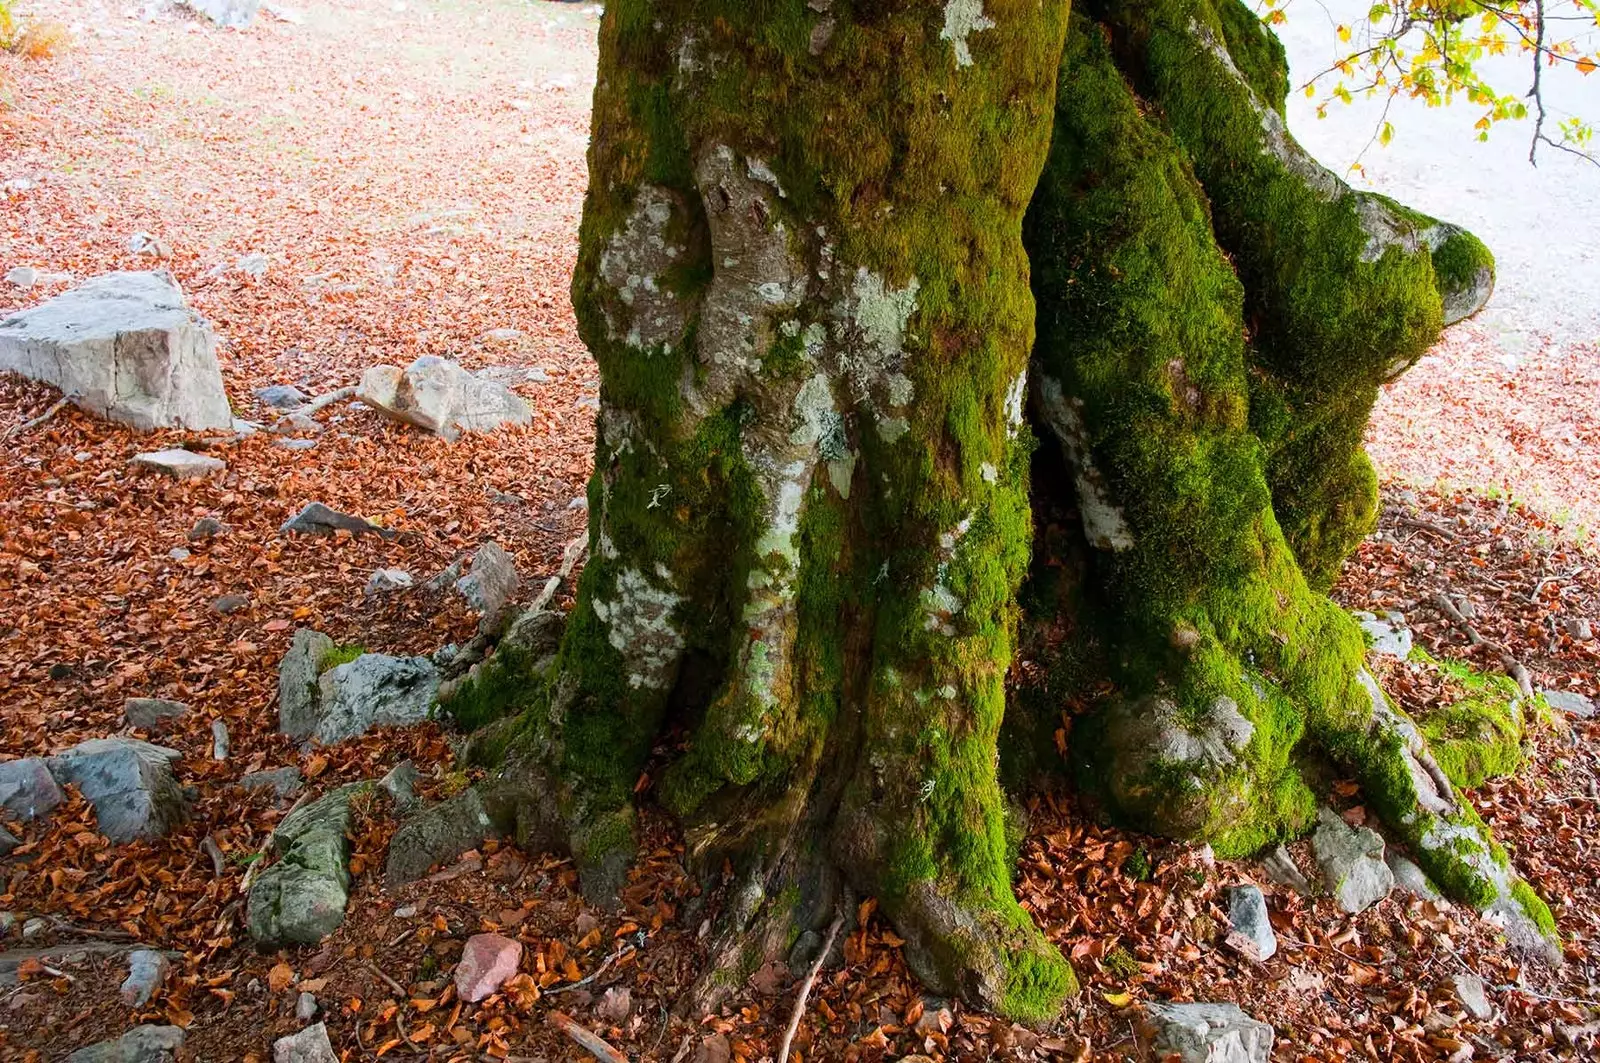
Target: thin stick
(593, 1043)
(805, 989)
(316, 404)
(25, 426)
(218, 863)
(1512, 666)
(390, 982)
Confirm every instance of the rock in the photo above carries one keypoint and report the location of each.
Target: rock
(438, 395)
(1209, 1033)
(301, 898)
(1409, 877)
(1577, 627)
(282, 396)
(305, 1007)
(123, 346)
(491, 584)
(297, 682)
(179, 464)
(152, 714)
(242, 429)
(535, 634)
(282, 12)
(497, 335)
(284, 782)
(142, 1044)
(255, 263)
(1469, 990)
(178, 553)
(374, 690)
(486, 963)
(8, 923)
(1352, 863)
(513, 374)
(436, 834)
(147, 969)
(297, 424)
(206, 528)
(130, 783)
(318, 519)
(1388, 636)
(400, 784)
(1570, 702)
(142, 243)
(1281, 868)
(446, 577)
(714, 1048)
(22, 276)
(616, 1004)
(386, 580)
(34, 927)
(229, 604)
(1251, 934)
(8, 842)
(219, 740)
(235, 14)
(310, 1045)
(296, 444)
(27, 789)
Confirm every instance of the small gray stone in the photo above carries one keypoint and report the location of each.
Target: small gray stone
(374, 690)
(297, 682)
(253, 264)
(230, 603)
(1352, 863)
(179, 464)
(219, 740)
(1409, 877)
(385, 580)
(1578, 627)
(142, 1044)
(8, 842)
(235, 14)
(1389, 636)
(434, 835)
(178, 553)
(1209, 1033)
(297, 444)
(318, 519)
(440, 396)
(152, 714)
(282, 397)
(130, 783)
(491, 584)
(401, 785)
(27, 789)
(1251, 934)
(243, 429)
(297, 424)
(206, 528)
(284, 782)
(147, 969)
(1469, 990)
(1570, 702)
(1281, 868)
(34, 927)
(503, 335)
(305, 1007)
(310, 1045)
(22, 276)
(446, 577)
(301, 898)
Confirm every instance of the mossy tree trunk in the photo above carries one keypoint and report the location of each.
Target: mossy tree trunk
(803, 275)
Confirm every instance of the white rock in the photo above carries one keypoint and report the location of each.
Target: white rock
(385, 580)
(253, 264)
(1251, 934)
(1469, 990)
(180, 464)
(438, 395)
(147, 969)
(144, 244)
(1209, 1033)
(235, 14)
(310, 1045)
(219, 740)
(1389, 635)
(124, 346)
(1352, 862)
(22, 276)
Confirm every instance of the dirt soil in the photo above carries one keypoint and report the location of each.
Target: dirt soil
(414, 173)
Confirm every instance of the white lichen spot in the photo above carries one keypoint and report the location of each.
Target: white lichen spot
(641, 628)
(881, 312)
(961, 18)
(900, 389)
(1014, 396)
(760, 171)
(1103, 523)
(989, 473)
(633, 260)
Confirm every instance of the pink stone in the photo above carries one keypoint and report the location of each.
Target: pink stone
(486, 963)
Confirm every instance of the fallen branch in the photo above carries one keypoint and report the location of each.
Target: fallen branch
(218, 863)
(595, 1045)
(1511, 665)
(598, 971)
(805, 989)
(321, 401)
(27, 426)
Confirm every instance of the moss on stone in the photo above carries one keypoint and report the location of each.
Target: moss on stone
(341, 654)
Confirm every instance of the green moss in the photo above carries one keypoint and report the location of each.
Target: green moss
(1036, 985)
(1458, 260)
(1535, 907)
(342, 654)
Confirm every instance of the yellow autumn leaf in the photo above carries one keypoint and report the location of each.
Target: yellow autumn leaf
(1118, 1000)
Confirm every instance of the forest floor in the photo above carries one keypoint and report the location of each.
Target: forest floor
(414, 174)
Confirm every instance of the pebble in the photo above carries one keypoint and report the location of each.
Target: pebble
(305, 1008)
(1469, 990)
(486, 962)
(206, 528)
(219, 740)
(178, 553)
(230, 603)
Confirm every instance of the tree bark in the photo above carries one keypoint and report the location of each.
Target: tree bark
(802, 273)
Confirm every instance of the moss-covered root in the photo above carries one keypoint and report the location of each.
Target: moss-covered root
(802, 277)
(1344, 289)
(1225, 658)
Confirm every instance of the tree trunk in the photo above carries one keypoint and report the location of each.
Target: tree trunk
(802, 273)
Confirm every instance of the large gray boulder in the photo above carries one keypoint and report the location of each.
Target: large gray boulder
(374, 690)
(300, 899)
(124, 346)
(130, 783)
(491, 584)
(440, 396)
(1208, 1033)
(142, 1044)
(1352, 862)
(297, 682)
(27, 789)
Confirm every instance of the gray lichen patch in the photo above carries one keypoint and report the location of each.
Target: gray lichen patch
(962, 18)
(641, 627)
(1103, 522)
(634, 263)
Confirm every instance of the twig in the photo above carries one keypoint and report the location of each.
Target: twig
(1512, 666)
(805, 989)
(595, 1045)
(218, 863)
(683, 1048)
(390, 982)
(598, 971)
(89, 932)
(316, 404)
(26, 426)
